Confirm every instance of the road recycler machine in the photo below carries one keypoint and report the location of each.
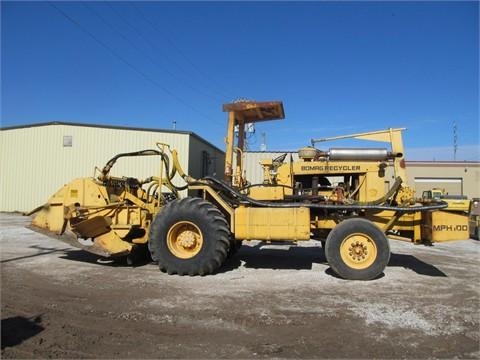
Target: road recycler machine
(340, 197)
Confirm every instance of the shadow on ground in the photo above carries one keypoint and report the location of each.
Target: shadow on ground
(17, 329)
(283, 257)
(40, 252)
(303, 258)
(415, 264)
(256, 257)
(123, 261)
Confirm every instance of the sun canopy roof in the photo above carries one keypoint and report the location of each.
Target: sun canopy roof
(253, 111)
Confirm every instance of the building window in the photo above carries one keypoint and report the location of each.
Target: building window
(67, 141)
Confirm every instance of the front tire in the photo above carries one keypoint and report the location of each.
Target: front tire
(189, 236)
(356, 249)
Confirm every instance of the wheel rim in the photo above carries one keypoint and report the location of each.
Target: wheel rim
(358, 251)
(184, 240)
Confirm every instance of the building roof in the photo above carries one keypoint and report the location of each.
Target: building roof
(114, 127)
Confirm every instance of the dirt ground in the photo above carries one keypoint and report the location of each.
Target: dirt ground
(267, 302)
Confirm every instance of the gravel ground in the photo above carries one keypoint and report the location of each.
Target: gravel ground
(267, 302)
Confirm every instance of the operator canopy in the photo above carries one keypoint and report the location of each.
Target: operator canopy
(253, 111)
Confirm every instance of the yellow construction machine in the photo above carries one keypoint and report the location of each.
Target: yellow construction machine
(337, 196)
(455, 202)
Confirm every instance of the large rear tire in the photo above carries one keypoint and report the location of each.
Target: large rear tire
(189, 236)
(356, 249)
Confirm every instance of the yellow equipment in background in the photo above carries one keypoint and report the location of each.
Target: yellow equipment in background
(454, 202)
(338, 196)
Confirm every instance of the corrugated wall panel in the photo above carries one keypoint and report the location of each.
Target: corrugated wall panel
(34, 162)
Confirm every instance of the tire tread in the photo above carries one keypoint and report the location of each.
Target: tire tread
(216, 237)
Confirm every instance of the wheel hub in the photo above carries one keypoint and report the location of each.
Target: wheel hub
(358, 251)
(187, 239)
(184, 239)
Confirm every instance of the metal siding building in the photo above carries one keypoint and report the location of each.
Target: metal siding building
(457, 178)
(204, 159)
(36, 160)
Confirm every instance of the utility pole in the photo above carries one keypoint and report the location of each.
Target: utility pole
(455, 146)
(263, 145)
(174, 124)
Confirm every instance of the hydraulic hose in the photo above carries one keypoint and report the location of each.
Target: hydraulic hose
(248, 200)
(112, 161)
(170, 171)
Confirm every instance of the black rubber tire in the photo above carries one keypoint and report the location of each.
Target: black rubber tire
(342, 232)
(212, 225)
